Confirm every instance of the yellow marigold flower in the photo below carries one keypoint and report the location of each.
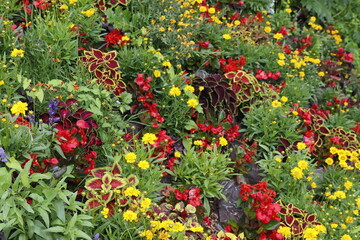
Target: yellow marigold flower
(313, 19)
(149, 138)
(281, 62)
(167, 64)
(19, 108)
(278, 159)
(157, 73)
(320, 228)
(285, 231)
(125, 38)
(212, 10)
(130, 216)
(346, 237)
(130, 157)
(143, 164)
(72, 1)
(333, 150)
(281, 56)
(340, 194)
(284, 99)
(226, 36)
(175, 91)
(334, 225)
(2, 82)
(301, 145)
(149, 235)
(237, 23)
(64, 7)
(301, 74)
(105, 212)
(177, 227)
(131, 191)
(267, 29)
(192, 102)
(17, 53)
(310, 233)
(297, 173)
(202, 9)
(288, 10)
(223, 141)
(278, 36)
(145, 203)
(198, 143)
(201, 88)
(348, 185)
(89, 12)
(302, 164)
(329, 161)
(321, 74)
(349, 219)
(189, 88)
(295, 113)
(313, 185)
(197, 229)
(163, 235)
(276, 104)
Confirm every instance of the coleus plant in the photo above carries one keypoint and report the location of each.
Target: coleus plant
(105, 188)
(105, 68)
(296, 219)
(105, 4)
(247, 88)
(216, 95)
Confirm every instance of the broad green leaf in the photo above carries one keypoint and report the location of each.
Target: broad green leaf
(44, 215)
(26, 206)
(60, 210)
(55, 229)
(40, 94)
(13, 164)
(55, 82)
(81, 234)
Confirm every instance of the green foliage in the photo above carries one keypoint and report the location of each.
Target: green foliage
(39, 206)
(340, 120)
(267, 124)
(278, 175)
(204, 170)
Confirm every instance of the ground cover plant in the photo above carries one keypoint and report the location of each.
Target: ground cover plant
(179, 119)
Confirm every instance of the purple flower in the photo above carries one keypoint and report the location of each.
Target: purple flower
(53, 106)
(96, 236)
(3, 155)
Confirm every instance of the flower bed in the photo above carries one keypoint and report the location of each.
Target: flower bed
(182, 119)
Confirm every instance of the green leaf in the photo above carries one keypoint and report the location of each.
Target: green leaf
(13, 164)
(26, 206)
(72, 222)
(60, 210)
(45, 216)
(55, 82)
(81, 234)
(271, 225)
(55, 229)
(40, 94)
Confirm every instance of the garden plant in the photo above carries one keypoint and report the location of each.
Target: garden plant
(180, 119)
